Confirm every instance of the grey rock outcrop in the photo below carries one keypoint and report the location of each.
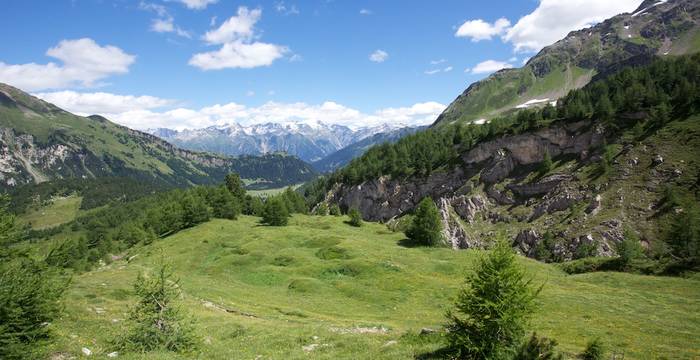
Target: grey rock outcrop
(526, 241)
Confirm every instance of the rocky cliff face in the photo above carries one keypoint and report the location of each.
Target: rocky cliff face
(497, 189)
(492, 161)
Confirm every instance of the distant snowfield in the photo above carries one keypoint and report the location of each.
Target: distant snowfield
(532, 102)
(641, 12)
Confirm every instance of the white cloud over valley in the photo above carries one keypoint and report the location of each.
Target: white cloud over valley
(143, 112)
(84, 63)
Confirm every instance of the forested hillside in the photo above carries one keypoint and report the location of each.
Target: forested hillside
(614, 160)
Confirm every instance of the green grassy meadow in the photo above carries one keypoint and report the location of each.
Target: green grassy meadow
(258, 292)
(59, 211)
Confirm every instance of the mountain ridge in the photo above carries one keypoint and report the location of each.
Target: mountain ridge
(655, 28)
(309, 141)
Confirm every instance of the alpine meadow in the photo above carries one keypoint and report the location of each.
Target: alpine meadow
(313, 179)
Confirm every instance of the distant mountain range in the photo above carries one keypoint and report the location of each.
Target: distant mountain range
(327, 145)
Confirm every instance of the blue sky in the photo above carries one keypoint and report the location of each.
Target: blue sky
(194, 63)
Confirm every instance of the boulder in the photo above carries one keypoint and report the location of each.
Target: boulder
(541, 187)
(595, 205)
(657, 160)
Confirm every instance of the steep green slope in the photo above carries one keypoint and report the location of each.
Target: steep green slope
(655, 29)
(272, 293)
(41, 142)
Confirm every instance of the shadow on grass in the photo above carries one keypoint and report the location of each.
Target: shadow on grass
(408, 243)
(442, 353)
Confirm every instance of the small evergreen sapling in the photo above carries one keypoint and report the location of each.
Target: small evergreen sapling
(156, 322)
(426, 228)
(493, 309)
(275, 212)
(355, 217)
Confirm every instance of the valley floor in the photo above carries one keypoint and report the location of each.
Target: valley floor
(322, 289)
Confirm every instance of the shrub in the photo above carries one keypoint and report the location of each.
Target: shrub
(155, 322)
(538, 348)
(426, 227)
(594, 351)
(585, 250)
(335, 210)
(275, 212)
(355, 217)
(493, 309)
(321, 209)
(546, 165)
(629, 249)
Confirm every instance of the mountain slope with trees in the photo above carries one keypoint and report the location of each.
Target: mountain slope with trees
(613, 160)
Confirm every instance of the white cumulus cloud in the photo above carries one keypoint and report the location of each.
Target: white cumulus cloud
(101, 102)
(489, 66)
(478, 29)
(378, 56)
(197, 4)
(84, 63)
(239, 47)
(554, 19)
(239, 55)
(238, 27)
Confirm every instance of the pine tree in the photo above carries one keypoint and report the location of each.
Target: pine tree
(493, 309)
(253, 206)
(604, 111)
(194, 210)
(275, 212)
(29, 294)
(155, 322)
(426, 228)
(235, 185)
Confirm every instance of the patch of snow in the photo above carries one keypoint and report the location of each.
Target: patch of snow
(479, 122)
(627, 27)
(643, 11)
(529, 103)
